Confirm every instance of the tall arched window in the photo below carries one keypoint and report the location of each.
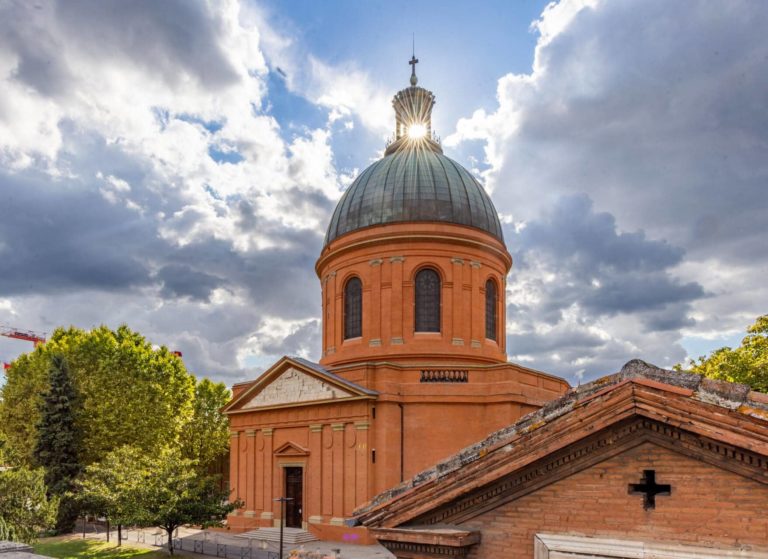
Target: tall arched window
(427, 298)
(491, 306)
(353, 309)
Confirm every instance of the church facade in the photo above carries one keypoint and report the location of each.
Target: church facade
(413, 275)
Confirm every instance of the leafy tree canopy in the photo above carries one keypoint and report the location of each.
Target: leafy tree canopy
(746, 364)
(164, 490)
(205, 437)
(130, 393)
(25, 511)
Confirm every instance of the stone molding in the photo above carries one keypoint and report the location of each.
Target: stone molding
(393, 259)
(397, 341)
(250, 433)
(337, 426)
(362, 425)
(316, 428)
(475, 264)
(552, 546)
(457, 341)
(267, 431)
(376, 262)
(234, 434)
(266, 516)
(459, 261)
(375, 342)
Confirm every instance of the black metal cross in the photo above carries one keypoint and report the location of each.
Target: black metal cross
(649, 488)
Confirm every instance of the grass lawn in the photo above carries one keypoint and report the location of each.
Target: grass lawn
(74, 547)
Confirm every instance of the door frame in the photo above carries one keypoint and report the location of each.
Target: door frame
(552, 546)
(295, 464)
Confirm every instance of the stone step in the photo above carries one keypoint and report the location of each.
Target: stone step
(290, 535)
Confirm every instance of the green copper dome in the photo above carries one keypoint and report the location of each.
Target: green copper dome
(414, 183)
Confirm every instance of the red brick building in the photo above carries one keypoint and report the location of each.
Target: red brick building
(646, 463)
(414, 367)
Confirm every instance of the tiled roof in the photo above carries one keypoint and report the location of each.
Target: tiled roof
(732, 398)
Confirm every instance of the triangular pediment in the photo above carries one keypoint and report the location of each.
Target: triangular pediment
(291, 449)
(292, 382)
(294, 386)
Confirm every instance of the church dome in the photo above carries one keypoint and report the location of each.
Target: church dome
(414, 183)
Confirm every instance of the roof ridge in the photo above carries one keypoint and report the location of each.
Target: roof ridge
(729, 395)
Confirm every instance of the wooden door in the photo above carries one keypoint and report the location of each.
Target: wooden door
(294, 488)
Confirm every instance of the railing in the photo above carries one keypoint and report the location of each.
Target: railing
(444, 375)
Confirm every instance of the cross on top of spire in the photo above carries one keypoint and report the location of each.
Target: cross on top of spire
(413, 62)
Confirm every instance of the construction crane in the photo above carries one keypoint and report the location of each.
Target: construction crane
(36, 338)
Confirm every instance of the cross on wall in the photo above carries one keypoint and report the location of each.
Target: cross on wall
(649, 489)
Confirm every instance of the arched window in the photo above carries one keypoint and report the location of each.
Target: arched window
(491, 306)
(427, 298)
(353, 309)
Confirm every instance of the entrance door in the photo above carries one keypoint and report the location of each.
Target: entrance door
(294, 485)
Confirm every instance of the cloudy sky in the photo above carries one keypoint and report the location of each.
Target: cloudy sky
(172, 166)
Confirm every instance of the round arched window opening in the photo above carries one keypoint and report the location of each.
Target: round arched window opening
(491, 310)
(353, 308)
(427, 301)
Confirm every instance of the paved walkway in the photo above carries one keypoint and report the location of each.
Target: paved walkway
(152, 537)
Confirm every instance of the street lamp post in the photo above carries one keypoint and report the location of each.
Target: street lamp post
(282, 501)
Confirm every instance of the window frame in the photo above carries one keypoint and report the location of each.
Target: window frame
(435, 321)
(358, 333)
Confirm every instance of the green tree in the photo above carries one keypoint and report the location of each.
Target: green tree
(164, 490)
(205, 438)
(58, 441)
(130, 393)
(25, 510)
(111, 488)
(746, 364)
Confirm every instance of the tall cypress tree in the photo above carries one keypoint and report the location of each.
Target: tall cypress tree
(58, 442)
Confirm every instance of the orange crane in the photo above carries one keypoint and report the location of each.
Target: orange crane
(36, 338)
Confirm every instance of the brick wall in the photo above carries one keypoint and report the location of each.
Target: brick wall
(708, 507)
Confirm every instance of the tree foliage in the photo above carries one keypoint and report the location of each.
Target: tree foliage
(746, 364)
(25, 510)
(58, 441)
(164, 490)
(205, 438)
(131, 393)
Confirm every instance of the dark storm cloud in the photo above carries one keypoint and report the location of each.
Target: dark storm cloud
(56, 236)
(183, 281)
(598, 267)
(170, 39)
(657, 111)
(605, 274)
